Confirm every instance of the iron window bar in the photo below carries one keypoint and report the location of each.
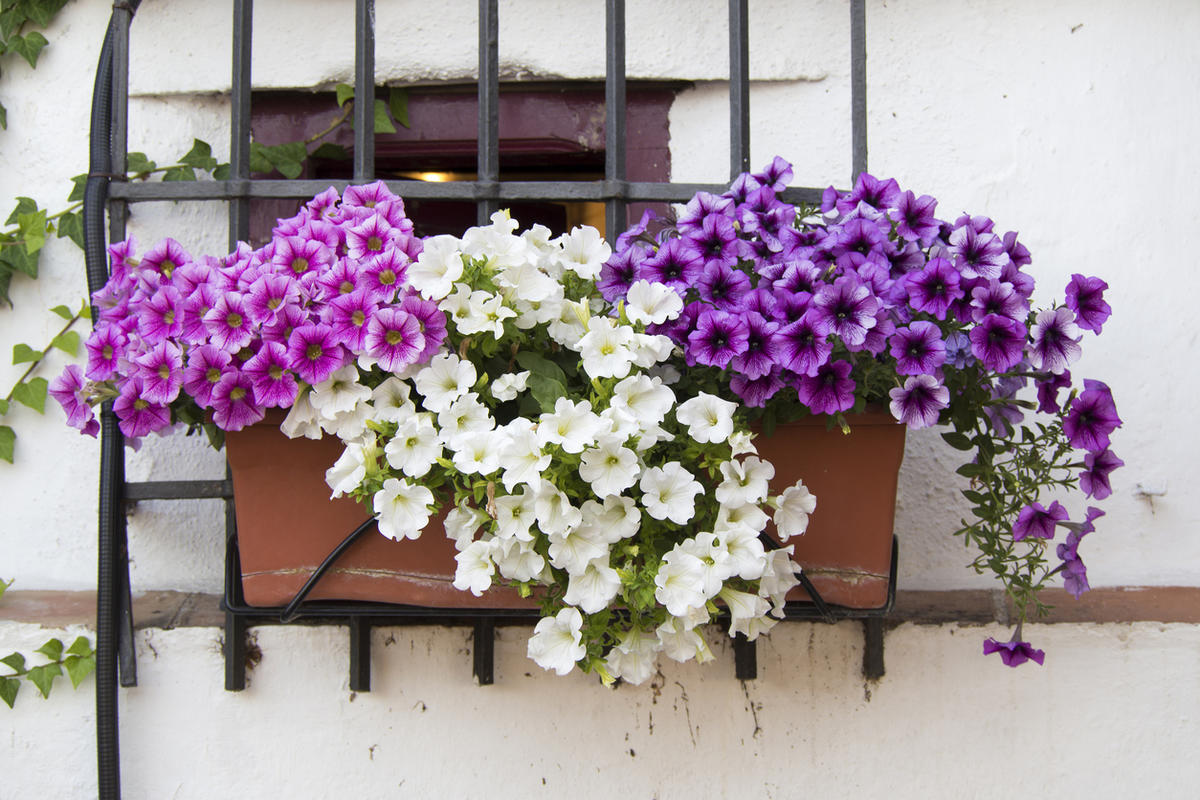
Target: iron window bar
(109, 129)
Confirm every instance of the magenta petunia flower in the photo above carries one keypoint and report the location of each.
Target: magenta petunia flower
(313, 354)
(68, 390)
(370, 237)
(1093, 480)
(432, 321)
(394, 338)
(273, 384)
(299, 255)
(1038, 521)
(159, 264)
(267, 294)
(205, 366)
(287, 320)
(830, 390)
(160, 316)
(998, 342)
(341, 278)
(918, 348)
(161, 372)
(368, 195)
(383, 275)
(919, 402)
(138, 416)
(1014, 653)
(1091, 418)
(105, 346)
(195, 306)
(228, 324)
(347, 316)
(1085, 296)
(233, 402)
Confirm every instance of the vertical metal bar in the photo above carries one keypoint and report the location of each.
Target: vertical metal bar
(873, 648)
(235, 652)
(117, 209)
(858, 86)
(360, 654)
(488, 153)
(364, 90)
(239, 119)
(739, 87)
(745, 658)
(484, 651)
(615, 220)
(126, 653)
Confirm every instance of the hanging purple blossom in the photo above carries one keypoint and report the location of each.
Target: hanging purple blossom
(918, 348)
(919, 402)
(776, 175)
(1093, 480)
(829, 391)
(1091, 418)
(934, 288)
(1047, 391)
(273, 384)
(1085, 296)
(717, 338)
(69, 389)
(847, 307)
(1038, 521)
(1014, 653)
(998, 342)
(105, 347)
(1055, 340)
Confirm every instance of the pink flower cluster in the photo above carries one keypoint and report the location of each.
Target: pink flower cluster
(240, 334)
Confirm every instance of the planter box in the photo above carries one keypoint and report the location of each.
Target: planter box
(287, 524)
(847, 550)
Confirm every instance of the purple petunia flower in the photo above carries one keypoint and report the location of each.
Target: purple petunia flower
(762, 350)
(1091, 418)
(394, 338)
(68, 390)
(160, 316)
(717, 338)
(715, 241)
(138, 416)
(1085, 296)
(106, 347)
(934, 288)
(977, 253)
(1072, 567)
(1014, 653)
(347, 316)
(919, 402)
(267, 294)
(674, 264)
(996, 297)
(1038, 521)
(804, 345)
(914, 217)
(619, 273)
(998, 342)
(272, 383)
(1093, 480)
(432, 322)
(722, 286)
(776, 175)
(228, 324)
(313, 354)
(161, 372)
(829, 391)
(875, 193)
(847, 307)
(918, 349)
(233, 402)
(1055, 340)
(755, 392)
(1047, 391)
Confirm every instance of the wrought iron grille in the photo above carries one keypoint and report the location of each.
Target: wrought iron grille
(108, 191)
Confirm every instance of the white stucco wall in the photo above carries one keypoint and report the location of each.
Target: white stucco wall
(1073, 123)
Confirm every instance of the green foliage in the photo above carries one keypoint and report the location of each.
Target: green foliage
(14, 16)
(79, 661)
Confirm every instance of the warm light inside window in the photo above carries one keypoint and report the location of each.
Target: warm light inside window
(434, 177)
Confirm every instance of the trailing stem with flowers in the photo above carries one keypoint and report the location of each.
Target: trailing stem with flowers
(578, 418)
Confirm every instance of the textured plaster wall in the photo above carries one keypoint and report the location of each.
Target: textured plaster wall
(1073, 123)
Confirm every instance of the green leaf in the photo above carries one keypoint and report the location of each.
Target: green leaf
(24, 354)
(957, 440)
(10, 19)
(52, 649)
(3, 117)
(33, 229)
(32, 393)
(8, 690)
(78, 184)
(78, 668)
(344, 92)
(288, 158)
(70, 226)
(43, 677)
(15, 660)
(6, 273)
(25, 205)
(398, 105)
(540, 365)
(18, 259)
(8, 439)
(331, 151)
(546, 391)
(383, 123)
(258, 158)
(179, 174)
(68, 342)
(28, 46)
(41, 12)
(200, 156)
(970, 470)
(137, 164)
(3, 410)
(82, 646)
(222, 172)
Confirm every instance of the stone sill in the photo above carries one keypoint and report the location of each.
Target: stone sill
(168, 609)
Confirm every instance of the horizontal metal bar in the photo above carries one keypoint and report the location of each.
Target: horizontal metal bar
(634, 191)
(178, 490)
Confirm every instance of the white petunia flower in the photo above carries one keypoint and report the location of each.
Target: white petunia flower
(555, 514)
(617, 518)
(339, 393)
(436, 269)
(465, 415)
(475, 568)
(521, 456)
(349, 424)
(348, 471)
(557, 641)
(792, 509)
(415, 447)
(570, 324)
(301, 420)
(390, 401)
(715, 564)
(402, 509)
(749, 515)
(476, 453)
(682, 642)
(605, 349)
(517, 560)
(649, 350)
(610, 467)
(741, 443)
(779, 577)
(652, 303)
(584, 252)
(462, 523)
(593, 588)
(509, 385)
(670, 492)
(747, 557)
(515, 515)
(635, 658)
(745, 481)
(573, 548)
(531, 314)
(485, 314)
(444, 380)
(747, 613)
(646, 399)
(708, 417)
(572, 426)
(526, 281)
(679, 583)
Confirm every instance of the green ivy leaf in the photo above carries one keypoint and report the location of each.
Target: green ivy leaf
(6, 273)
(78, 184)
(3, 411)
(957, 440)
(70, 226)
(546, 391)
(398, 105)
(28, 46)
(10, 19)
(32, 393)
(222, 172)
(344, 92)
(52, 649)
(78, 668)
(20, 260)
(41, 12)
(81, 647)
(288, 158)
(3, 117)
(179, 174)
(137, 164)
(331, 151)
(15, 661)
(383, 123)
(24, 354)
(258, 158)
(25, 205)
(68, 342)
(32, 227)
(200, 156)
(8, 690)
(43, 677)
(8, 438)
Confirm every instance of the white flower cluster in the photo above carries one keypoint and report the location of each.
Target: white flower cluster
(580, 470)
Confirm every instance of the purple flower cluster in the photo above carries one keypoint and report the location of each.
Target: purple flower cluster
(240, 334)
